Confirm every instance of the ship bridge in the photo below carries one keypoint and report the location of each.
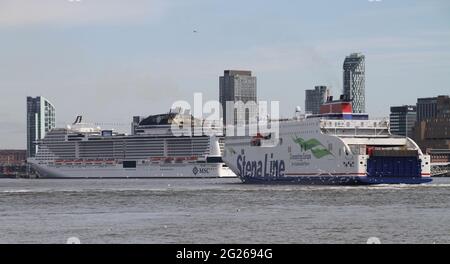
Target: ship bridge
(356, 128)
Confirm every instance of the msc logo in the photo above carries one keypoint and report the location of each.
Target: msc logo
(201, 170)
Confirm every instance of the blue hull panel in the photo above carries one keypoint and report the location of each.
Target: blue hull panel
(336, 180)
(395, 180)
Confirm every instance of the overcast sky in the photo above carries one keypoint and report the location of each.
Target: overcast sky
(112, 59)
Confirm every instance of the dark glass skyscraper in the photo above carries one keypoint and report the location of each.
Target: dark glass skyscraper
(354, 81)
(402, 120)
(433, 107)
(426, 108)
(40, 120)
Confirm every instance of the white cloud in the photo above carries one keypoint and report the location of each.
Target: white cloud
(81, 12)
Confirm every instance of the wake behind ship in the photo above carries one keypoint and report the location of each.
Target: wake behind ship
(336, 147)
(84, 151)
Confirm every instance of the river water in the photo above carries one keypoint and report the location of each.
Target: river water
(220, 211)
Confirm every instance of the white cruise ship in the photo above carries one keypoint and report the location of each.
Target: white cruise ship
(336, 147)
(84, 151)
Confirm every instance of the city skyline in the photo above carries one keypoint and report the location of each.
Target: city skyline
(91, 64)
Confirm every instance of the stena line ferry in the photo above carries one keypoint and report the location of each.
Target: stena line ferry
(336, 147)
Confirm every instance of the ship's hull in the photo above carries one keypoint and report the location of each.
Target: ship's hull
(7, 176)
(264, 168)
(148, 171)
(335, 180)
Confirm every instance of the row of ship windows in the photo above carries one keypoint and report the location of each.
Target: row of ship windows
(127, 147)
(111, 157)
(126, 152)
(121, 152)
(87, 145)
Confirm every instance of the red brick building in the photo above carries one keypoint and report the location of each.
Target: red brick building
(13, 157)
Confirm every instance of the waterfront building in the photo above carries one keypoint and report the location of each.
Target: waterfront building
(238, 86)
(426, 108)
(354, 81)
(315, 98)
(432, 130)
(12, 157)
(40, 120)
(443, 106)
(12, 163)
(402, 120)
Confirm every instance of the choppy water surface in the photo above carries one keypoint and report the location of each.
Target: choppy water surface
(220, 211)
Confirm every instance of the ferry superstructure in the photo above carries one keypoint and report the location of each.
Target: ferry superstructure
(84, 151)
(336, 147)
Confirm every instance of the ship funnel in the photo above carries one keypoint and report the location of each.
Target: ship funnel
(215, 147)
(78, 120)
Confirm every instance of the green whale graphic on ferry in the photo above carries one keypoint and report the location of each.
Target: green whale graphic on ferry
(317, 149)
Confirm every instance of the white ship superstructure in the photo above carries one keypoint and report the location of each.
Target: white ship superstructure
(83, 151)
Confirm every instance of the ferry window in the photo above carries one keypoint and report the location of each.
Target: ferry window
(107, 133)
(129, 164)
(214, 160)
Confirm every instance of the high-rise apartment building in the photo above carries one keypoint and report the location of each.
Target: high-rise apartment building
(354, 81)
(238, 86)
(40, 120)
